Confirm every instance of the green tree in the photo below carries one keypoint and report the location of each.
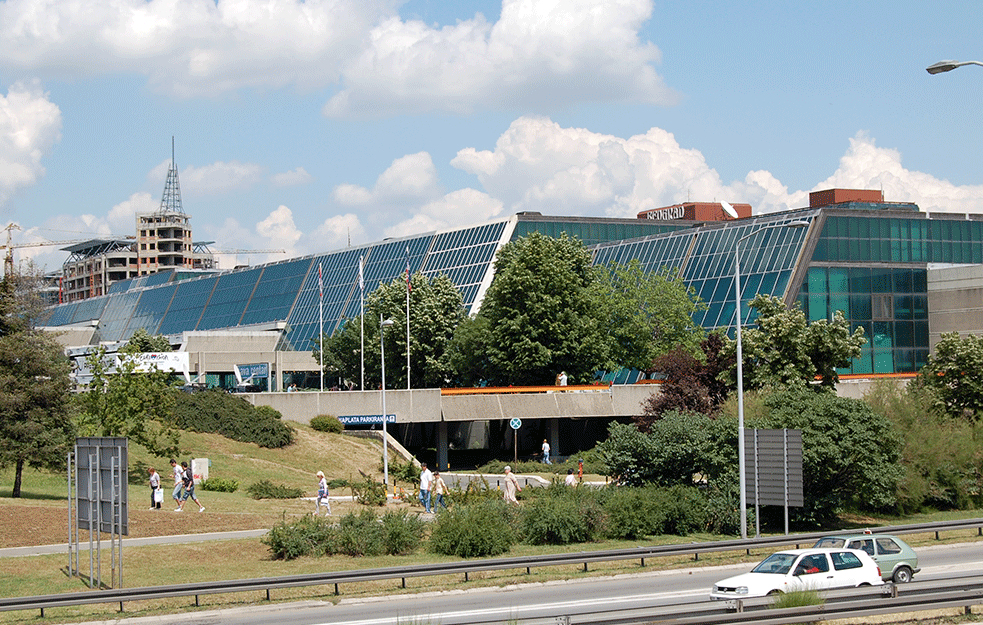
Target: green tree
(954, 374)
(124, 400)
(36, 428)
(850, 454)
(648, 314)
(141, 342)
(784, 348)
(436, 308)
(542, 313)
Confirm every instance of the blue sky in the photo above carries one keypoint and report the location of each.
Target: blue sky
(303, 125)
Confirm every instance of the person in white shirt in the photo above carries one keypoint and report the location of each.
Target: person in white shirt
(546, 452)
(426, 480)
(322, 495)
(571, 478)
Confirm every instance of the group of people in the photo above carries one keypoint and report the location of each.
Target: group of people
(432, 489)
(184, 487)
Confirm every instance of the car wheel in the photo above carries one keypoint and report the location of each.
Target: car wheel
(775, 593)
(902, 575)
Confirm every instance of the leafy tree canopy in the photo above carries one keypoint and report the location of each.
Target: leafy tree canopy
(143, 342)
(36, 428)
(954, 374)
(542, 316)
(784, 348)
(122, 401)
(648, 314)
(436, 308)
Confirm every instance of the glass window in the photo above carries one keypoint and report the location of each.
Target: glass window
(865, 544)
(886, 546)
(843, 560)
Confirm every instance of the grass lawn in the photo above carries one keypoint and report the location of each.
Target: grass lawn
(40, 517)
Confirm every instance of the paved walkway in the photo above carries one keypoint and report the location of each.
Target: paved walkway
(12, 552)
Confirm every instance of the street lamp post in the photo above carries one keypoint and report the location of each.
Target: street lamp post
(742, 469)
(385, 435)
(948, 66)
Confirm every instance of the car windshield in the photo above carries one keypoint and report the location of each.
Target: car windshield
(829, 543)
(778, 563)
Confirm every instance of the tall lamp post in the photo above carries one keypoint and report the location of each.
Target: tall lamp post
(742, 469)
(385, 435)
(948, 66)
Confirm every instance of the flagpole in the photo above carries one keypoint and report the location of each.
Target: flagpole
(320, 319)
(361, 287)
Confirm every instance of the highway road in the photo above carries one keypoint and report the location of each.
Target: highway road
(541, 600)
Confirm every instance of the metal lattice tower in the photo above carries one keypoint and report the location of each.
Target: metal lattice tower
(171, 201)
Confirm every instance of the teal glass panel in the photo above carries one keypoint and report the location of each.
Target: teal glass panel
(883, 336)
(919, 280)
(839, 280)
(276, 292)
(816, 280)
(883, 361)
(817, 307)
(860, 307)
(904, 334)
(903, 307)
(841, 302)
(860, 280)
(919, 307)
(865, 363)
(187, 305)
(881, 280)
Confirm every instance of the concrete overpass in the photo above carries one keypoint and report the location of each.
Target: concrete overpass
(539, 407)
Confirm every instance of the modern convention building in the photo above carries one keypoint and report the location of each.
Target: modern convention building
(850, 250)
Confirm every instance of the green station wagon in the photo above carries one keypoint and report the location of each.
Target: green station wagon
(897, 561)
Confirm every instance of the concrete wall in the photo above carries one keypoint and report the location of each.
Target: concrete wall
(955, 301)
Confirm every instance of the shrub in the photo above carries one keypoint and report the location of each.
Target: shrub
(634, 512)
(307, 536)
(558, 515)
(476, 491)
(797, 598)
(219, 484)
(723, 508)
(403, 471)
(685, 510)
(222, 413)
(360, 535)
(403, 532)
(474, 531)
(266, 489)
(327, 423)
(368, 492)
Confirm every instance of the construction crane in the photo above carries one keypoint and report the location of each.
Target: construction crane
(8, 259)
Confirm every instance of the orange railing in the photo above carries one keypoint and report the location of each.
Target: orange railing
(505, 390)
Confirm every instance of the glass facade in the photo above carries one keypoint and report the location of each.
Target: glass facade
(870, 264)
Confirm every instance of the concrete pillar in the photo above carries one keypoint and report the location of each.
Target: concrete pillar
(442, 446)
(553, 434)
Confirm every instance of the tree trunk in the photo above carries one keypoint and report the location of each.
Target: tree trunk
(17, 477)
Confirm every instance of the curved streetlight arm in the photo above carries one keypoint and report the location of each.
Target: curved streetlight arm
(742, 470)
(948, 66)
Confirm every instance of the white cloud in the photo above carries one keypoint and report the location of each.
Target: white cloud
(538, 165)
(189, 47)
(219, 177)
(122, 217)
(408, 179)
(866, 166)
(292, 178)
(336, 232)
(459, 208)
(541, 54)
(30, 125)
(279, 229)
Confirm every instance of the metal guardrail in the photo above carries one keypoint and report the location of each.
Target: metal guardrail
(465, 568)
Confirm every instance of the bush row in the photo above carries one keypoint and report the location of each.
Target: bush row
(222, 413)
(355, 534)
(479, 523)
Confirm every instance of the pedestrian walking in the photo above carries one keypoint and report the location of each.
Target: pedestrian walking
(546, 452)
(188, 481)
(439, 488)
(156, 494)
(426, 481)
(322, 495)
(178, 482)
(511, 486)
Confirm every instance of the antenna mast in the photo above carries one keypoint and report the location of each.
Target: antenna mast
(171, 201)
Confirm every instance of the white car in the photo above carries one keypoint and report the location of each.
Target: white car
(801, 569)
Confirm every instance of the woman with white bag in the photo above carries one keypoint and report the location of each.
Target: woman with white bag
(156, 494)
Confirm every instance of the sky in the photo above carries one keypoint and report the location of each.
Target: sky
(311, 126)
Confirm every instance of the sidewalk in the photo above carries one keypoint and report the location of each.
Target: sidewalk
(41, 550)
